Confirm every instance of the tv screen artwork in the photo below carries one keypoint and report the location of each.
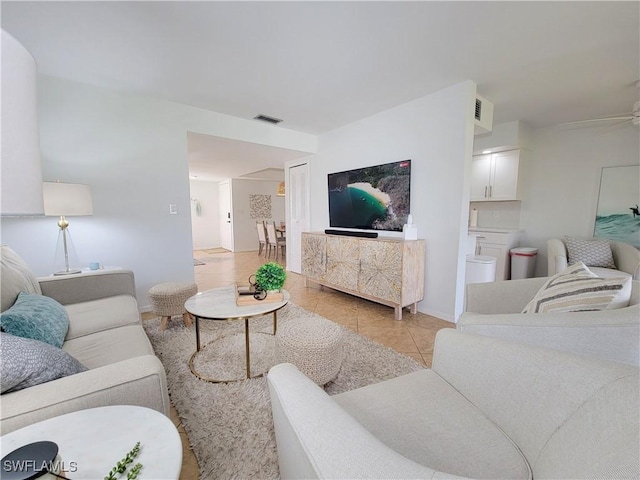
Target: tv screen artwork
(371, 198)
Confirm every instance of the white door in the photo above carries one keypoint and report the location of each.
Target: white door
(298, 222)
(226, 225)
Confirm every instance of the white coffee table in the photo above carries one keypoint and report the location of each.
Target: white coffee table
(220, 304)
(92, 441)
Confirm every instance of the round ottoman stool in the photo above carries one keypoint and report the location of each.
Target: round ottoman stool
(314, 345)
(167, 300)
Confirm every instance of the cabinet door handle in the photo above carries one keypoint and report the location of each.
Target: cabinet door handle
(490, 191)
(485, 191)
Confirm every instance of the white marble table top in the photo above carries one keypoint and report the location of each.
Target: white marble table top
(92, 441)
(220, 304)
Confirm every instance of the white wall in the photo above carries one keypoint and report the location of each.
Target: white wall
(205, 225)
(436, 133)
(562, 181)
(132, 151)
(244, 227)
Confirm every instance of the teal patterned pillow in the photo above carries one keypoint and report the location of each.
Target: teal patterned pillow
(37, 317)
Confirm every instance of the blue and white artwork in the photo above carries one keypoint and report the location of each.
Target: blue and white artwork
(617, 217)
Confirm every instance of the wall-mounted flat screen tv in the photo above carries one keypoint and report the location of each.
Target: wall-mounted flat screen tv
(371, 198)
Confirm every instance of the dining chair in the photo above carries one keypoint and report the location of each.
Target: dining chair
(262, 238)
(273, 240)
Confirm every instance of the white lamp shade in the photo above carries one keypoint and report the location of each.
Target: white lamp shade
(68, 199)
(21, 172)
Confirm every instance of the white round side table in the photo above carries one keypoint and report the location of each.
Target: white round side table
(91, 442)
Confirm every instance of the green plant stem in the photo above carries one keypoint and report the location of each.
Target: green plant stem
(121, 466)
(135, 470)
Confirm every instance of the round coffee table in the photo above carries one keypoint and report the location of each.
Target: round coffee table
(220, 304)
(91, 442)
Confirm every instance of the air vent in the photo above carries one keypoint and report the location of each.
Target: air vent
(478, 109)
(266, 118)
(483, 115)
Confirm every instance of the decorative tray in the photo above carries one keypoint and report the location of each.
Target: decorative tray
(245, 296)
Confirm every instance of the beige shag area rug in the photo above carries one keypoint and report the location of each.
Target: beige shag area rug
(230, 425)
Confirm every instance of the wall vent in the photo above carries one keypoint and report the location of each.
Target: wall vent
(483, 116)
(266, 118)
(478, 109)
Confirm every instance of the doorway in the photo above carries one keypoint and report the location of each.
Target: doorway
(298, 213)
(226, 221)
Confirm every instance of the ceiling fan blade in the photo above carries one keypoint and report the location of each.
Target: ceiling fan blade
(593, 120)
(613, 127)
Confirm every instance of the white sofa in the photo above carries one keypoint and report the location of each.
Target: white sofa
(625, 256)
(488, 408)
(494, 309)
(105, 334)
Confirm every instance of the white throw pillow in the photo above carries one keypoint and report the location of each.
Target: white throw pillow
(593, 253)
(577, 289)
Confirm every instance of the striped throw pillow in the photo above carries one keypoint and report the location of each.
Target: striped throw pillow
(578, 289)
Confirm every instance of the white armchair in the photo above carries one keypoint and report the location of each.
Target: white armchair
(487, 409)
(626, 258)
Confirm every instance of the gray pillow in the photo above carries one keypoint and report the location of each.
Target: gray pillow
(593, 253)
(27, 362)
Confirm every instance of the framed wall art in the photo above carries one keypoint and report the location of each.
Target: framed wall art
(260, 206)
(617, 215)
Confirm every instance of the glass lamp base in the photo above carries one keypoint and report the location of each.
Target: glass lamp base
(68, 272)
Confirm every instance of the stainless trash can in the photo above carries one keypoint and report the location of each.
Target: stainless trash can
(523, 262)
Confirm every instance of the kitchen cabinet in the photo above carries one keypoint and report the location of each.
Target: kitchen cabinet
(385, 270)
(497, 244)
(494, 176)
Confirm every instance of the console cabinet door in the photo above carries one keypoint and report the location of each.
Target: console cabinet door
(342, 262)
(381, 270)
(314, 256)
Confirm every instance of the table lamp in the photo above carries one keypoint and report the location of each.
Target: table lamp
(66, 200)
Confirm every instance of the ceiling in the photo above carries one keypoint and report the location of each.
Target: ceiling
(322, 65)
(235, 158)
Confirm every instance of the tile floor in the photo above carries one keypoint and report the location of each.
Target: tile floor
(413, 335)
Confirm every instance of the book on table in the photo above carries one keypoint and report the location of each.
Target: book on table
(246, 295)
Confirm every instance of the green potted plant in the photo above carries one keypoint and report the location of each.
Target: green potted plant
(271, 276)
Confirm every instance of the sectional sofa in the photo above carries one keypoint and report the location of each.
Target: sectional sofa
(104, 342)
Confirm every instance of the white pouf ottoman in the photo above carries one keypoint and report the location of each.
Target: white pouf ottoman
(167, 300)
(314, 345)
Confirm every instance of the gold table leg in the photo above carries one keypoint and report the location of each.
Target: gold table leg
(197, 334)
(247, 346)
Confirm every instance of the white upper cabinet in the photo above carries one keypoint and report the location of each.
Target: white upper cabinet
(494, 177)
